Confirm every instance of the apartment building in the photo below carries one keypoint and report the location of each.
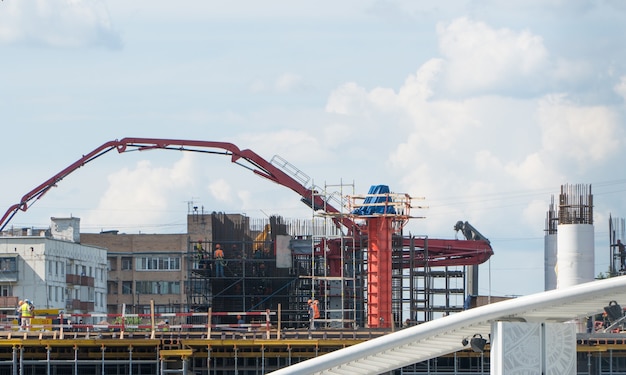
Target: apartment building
(53, 269)
(143, 268)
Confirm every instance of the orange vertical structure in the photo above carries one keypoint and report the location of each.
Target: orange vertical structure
(379, 231)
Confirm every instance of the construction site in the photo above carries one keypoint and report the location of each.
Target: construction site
(246, 310)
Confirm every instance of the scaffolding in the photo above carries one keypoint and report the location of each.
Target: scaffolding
(324, 263)
(336, 261)
(617, 250)
(251, 279)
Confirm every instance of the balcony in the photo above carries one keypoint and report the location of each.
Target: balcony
(8, 302)
(71, 279)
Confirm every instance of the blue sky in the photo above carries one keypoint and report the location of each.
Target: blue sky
(484, 109)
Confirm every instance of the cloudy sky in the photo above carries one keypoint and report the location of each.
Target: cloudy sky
(483, 108)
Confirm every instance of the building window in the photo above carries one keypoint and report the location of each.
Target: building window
(158, 287)
(6, 290)
(112, 287)
(8, 264)
(127, 263)
(127, 287)
(158, 264)
(162, 309)
(112, 263)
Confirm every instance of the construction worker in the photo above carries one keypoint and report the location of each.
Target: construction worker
(27, 309)
(316, 312)
(202, 256)
(218, 255)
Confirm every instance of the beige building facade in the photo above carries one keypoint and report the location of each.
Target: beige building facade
(158, 267)
(143, 268)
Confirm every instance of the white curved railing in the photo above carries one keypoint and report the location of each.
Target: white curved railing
(445, 335)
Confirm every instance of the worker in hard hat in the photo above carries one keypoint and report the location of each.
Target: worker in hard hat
(27, 310)
(218, 255)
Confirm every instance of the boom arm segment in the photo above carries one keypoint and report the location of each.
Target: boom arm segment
(40, 190)
(245, 158)
(447, 252)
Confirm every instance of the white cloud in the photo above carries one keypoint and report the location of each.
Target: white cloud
(536, 209)
(347, 99)
(533, 172)
(350, 98)
(140, 194)
(57, 23)
(246, 198)
(486, 161)
(482, 58)
(585, 134)
(221, 190)
(419, 86)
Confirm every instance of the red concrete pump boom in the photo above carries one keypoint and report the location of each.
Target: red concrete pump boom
(440, 252)
(246, 158)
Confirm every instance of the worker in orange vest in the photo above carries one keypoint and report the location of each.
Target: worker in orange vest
(218, 255)
(314, 312)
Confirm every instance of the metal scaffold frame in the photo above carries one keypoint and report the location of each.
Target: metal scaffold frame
(337, 263)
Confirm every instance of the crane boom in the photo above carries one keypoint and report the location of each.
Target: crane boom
(245, 158)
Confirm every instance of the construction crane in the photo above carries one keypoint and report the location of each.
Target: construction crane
(471, 234)
(435, 252)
